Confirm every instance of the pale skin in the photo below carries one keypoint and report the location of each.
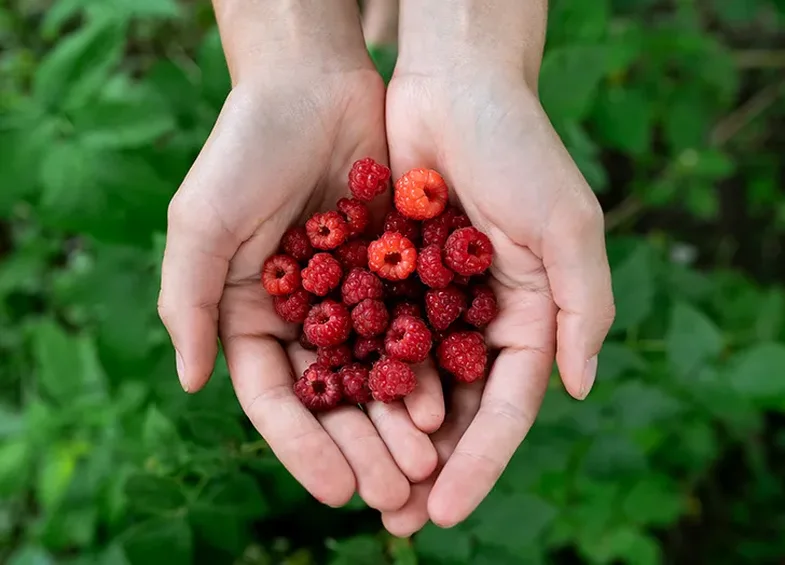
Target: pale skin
(306, 102)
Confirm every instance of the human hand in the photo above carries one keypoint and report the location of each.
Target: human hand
(301, 111)
(473, 115)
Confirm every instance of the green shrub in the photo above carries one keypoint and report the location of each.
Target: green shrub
(103, 459)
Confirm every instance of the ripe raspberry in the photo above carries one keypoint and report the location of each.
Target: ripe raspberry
(335, 356)
(420, 194)
(392, 256)
(280, 275)
(406, 309)
(407, 288)
(370, 317)
(464, 354)
(327, 230)
(368, 179)
(322, 274)
(319, 388)
(444, 306)
(408, 339)
(306, 343)
(368, 348)
(483, 308)
(391, 380)
(395, 222)
(468, 251)
(431, 269)
(354, 379)
(356, 214)
(353, 253)
(295, 242)
(360, 284)
(328, 323)
(436, 230)
(294, 307)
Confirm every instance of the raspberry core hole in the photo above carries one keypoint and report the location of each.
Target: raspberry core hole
(473, 248)
(324, 230)
(392, 258)
(318, 387)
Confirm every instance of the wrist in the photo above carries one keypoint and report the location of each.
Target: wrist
(440, 36)
(259, 36)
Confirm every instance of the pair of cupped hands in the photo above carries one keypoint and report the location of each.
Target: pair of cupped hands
(281, 150)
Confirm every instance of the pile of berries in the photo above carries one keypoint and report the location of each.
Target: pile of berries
(373, 306)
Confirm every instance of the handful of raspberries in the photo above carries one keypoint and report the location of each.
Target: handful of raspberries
(374, 304)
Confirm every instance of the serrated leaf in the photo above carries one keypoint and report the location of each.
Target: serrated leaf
(159, 540)
(692, 339)
(569, 79)
(653, 501)
(236, 495)
(633, 289)
(450, 546)
(638, 405)
(151, 493)
(613, 455)
(757, 373)
(512, 521)
(118, 124)
(79, 65)
(616, 359)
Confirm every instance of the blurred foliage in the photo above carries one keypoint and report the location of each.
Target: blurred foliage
(674, 112)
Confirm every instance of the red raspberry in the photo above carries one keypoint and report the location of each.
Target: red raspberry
(305, 343)
(360, 284)
(468, 251)
(436, 230)
(407, 288)
(444, 306)
(464, 354)
(391, 380)
(368, 179)
(461, 280)
(322, 274)
(483, 308)
(294, 307)
(408, 339)
(406, 309)
(368, 348)
(327, 230)
(354, 379)
(319, 388)
(295, 242)
(392, 256)
(356, 214)
(420, 194)
(280, 275)
(335, 356)
(395, 222)
(353, 254)
(431, 269)
(370, 317)
(328, 323)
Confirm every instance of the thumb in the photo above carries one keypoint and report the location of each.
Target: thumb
(195, 264)
(576, 263)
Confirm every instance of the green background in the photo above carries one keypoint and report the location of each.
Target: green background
(674, 112)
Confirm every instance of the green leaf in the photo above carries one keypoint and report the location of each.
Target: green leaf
(31, 555)
(12, 423)
(638, 405)
(633, 289)
(15, 459)
(686, 120)
(159, 541)
(770, 315)
(513, 521)
(56, 473)
(234, 495)
(159, 433)
(613, 455)
(214, 71)
(116, 124)
(68, 366)
(623, 118)
(625, 544)
(653, 501)
(79, 65)
(616, 360)
(150, 493)
(757, 373)
(23, 151)
(691, 340)
(577, 22)
(449, 546)
(358, 550)
(569, 79)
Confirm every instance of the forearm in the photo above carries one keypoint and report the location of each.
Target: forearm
(442, 33)
(259, 34)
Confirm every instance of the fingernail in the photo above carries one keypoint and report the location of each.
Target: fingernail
(180, 369)
(589, 374)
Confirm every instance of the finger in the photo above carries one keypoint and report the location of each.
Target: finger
(426, 402)
(193, 272)
(379, 481)
(410, 447)
(414, 514)
(576, 263)
(512, 397)
(262, 379)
